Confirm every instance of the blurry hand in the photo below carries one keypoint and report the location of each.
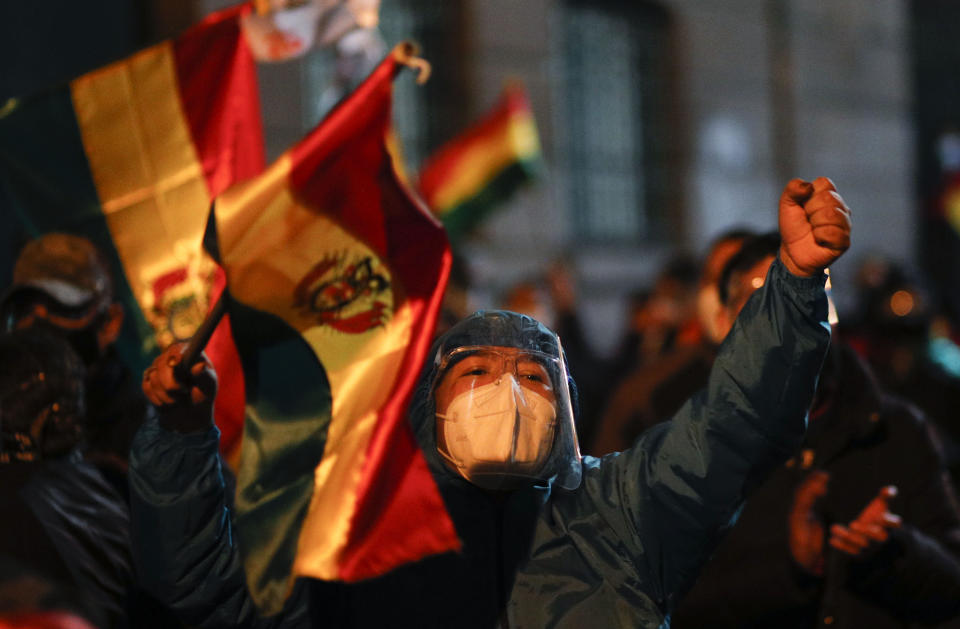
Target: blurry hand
(814, 226)
(871, 528)
(805, 534)
(184, 406)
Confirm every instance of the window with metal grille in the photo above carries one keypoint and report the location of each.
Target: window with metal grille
(613, 141)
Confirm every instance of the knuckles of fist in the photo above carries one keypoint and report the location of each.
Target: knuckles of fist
(815, 225)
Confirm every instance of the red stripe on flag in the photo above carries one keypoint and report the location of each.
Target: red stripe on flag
(231, 401)
(224, 121)
(226, 129)
(397, 492)
(346, 129)
(436, 172)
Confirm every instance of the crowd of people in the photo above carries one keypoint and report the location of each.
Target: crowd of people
(722, 482)
(861, 526)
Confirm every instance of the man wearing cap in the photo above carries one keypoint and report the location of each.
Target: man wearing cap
(62, 282)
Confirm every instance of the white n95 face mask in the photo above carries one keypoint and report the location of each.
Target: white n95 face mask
(498, 433)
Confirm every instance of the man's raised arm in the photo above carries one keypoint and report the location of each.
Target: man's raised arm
(682, 483)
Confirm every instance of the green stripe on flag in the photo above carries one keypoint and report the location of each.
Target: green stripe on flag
(461, 218)
(40, 144)
(288, 414)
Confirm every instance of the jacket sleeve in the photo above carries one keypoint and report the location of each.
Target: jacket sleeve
(183, 546)
(752, 579)
(917, 574)
(682, 483)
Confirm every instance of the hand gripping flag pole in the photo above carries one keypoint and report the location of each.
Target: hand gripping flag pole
(198, 341)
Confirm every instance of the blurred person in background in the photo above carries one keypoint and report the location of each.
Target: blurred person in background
(721, 249)
(60, 516)
(63, 284)
(656, 387)
(660, 319)
(860, 528)
(552, 300)
(900, 332)
(529, 297)
(456, 299)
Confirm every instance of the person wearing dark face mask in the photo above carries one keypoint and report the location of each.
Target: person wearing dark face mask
(550, 538)
(62, 283)
(61, 519)
(60, 516)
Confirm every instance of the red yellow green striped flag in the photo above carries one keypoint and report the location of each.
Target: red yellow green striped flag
(130, 156)
(486, 164)
(335, 275)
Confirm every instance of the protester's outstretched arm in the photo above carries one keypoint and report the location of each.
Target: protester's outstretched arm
(684, 481)
(184, 551)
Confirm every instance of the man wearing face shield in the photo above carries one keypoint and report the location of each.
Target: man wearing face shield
(63, 284)
(550, 538)
(503, 414)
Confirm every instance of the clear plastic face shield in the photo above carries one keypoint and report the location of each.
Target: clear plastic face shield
(504, 417)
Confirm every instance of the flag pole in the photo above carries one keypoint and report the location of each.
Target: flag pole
(198, 341)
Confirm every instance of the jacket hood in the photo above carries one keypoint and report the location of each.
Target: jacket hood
(485, 327)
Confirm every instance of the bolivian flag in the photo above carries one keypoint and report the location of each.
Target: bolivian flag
(335, 277)
(130, 156)
(485, 165)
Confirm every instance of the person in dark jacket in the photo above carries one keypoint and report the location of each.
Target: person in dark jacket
(550, 539)
(62, 283)
(60, 517)
(652, 391)
(859, 529)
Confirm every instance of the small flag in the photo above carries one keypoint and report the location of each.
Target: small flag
(335, 277)
(485, 165)
(130, 156)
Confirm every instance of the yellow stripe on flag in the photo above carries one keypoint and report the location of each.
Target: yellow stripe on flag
(516, 141)
(262, 216)
(355, 405)
(144, 165)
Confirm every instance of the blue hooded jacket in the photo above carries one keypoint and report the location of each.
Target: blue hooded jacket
(615, 552)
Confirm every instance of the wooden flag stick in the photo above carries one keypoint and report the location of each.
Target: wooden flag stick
(200, 338)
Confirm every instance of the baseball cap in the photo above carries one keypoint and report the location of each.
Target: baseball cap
(65, 267)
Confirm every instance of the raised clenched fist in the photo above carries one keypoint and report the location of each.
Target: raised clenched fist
(814, 226)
